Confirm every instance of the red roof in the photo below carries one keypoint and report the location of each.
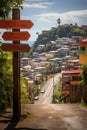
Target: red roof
(71, 72)
(83, 42)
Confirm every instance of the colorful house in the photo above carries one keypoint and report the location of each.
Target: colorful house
(71, 88)
(83, 52)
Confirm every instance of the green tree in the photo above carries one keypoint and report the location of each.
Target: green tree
(84, 82)
(5, 80)
(7, 5)
(84, 74)
(24, 91)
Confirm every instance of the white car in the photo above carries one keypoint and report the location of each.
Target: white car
(36, 98)
(42, 90)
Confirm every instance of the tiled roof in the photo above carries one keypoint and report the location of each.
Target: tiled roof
(83, 42)
(71, 72)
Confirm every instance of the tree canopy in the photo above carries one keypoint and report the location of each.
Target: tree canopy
(5, 80)
(7, 5)
(84, 74)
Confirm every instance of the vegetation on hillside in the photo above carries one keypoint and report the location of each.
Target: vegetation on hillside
(67, 30)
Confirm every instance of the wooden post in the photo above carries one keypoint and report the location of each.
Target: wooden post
(16, 73)
(16, 24)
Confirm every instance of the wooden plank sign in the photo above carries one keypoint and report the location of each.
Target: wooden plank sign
(15, 36)
(16, 24)
(15, 47)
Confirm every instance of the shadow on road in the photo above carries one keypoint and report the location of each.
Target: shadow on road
(13, 123)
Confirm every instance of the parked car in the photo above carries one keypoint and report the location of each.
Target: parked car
(36, 98)
(42, 90)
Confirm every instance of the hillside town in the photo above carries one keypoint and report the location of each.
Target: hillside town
(43, 65)
(66, 59)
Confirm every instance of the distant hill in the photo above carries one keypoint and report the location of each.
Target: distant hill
(66, 30)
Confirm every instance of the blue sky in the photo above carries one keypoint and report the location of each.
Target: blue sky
(44, 13)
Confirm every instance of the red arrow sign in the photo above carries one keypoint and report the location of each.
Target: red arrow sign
(15, 47)
(16, 36)
(16, 24)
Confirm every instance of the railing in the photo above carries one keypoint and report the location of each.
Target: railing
(64, 96)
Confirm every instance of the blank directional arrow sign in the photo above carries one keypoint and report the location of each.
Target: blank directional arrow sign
(16, 24)
(16, 36)
(15, 47)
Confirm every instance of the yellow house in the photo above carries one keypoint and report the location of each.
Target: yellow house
(83, 52)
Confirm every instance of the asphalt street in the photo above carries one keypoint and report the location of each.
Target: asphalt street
(49, 86)
(47, 117)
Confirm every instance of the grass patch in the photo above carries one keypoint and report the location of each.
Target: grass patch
(57, 97)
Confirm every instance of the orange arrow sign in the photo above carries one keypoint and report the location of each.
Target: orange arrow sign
(16, 36)
(15, 47)
(16, 24)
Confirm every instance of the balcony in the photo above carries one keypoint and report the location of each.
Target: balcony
(75, 82)
(82, 51)
(66, 92)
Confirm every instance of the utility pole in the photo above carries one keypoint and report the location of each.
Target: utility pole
(53, 81)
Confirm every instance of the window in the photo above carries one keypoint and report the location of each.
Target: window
(75, 78)
(82, 48)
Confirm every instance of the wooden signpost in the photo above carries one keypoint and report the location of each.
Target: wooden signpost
(16, 35)
(16, 24)
(15, 47)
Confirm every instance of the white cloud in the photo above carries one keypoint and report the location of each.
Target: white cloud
(45, 21)
(34, 1)
(35, 4)
(71, 16)
(78, 12)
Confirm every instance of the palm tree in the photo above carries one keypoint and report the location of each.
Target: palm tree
(58, 21)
